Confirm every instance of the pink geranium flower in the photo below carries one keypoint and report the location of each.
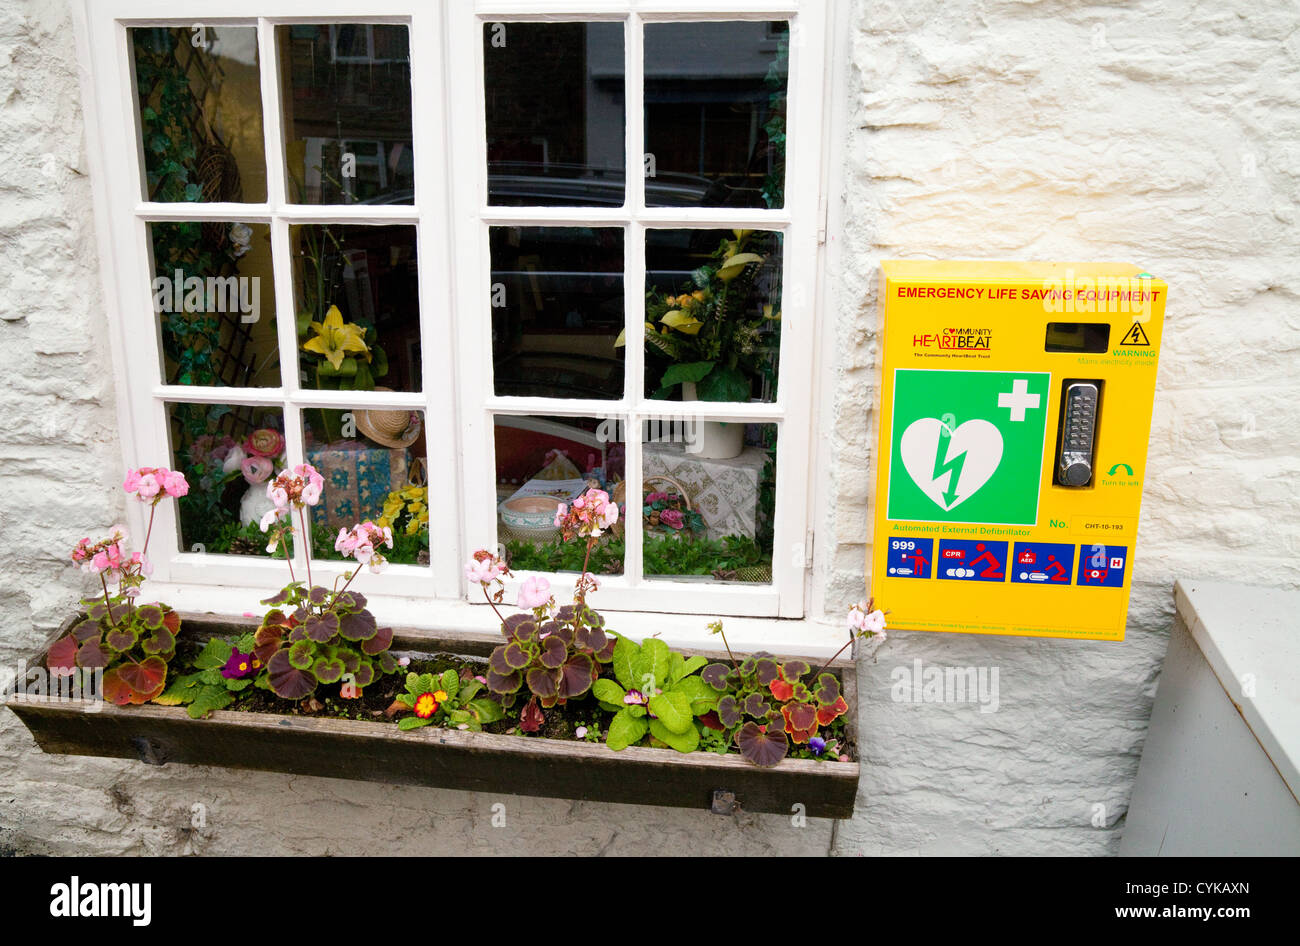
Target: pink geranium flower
(535, 592)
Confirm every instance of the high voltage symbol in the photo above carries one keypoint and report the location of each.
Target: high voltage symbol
(1136, 336)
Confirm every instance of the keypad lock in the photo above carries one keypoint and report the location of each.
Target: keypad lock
(1078, 432)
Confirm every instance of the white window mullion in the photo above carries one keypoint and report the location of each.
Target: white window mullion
(272, 114)
(438, 325)
(471, 275)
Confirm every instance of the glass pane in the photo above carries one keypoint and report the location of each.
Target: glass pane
(227, 454)
(347, 113)
(214, 295)
(542, 462)
(555, 113)
(358, 307)
(199, 97)
(713, 314)
(715, 104)
(373, 462)
(708, 497)
(557, 311)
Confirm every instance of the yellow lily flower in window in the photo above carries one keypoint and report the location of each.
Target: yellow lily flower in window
(686, 324)
(336, 338)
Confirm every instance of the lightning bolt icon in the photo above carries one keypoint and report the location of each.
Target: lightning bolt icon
(951, 466)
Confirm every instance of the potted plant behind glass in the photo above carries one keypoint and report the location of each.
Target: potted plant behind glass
(716, 338)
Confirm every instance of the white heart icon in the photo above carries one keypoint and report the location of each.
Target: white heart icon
(950, 465)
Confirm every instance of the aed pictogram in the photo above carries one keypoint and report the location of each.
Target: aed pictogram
(1042, 563)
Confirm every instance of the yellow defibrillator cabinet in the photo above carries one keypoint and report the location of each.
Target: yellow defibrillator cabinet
(1015, 407)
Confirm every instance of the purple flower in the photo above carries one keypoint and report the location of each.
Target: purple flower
(239, 665)
(817, 745)
(634, 698)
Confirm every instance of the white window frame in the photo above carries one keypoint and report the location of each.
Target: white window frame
(452, 218)
(797, 221)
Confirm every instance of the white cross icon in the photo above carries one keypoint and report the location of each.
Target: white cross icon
(1018, 399)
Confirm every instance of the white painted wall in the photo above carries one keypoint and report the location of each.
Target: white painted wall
(1158, 132)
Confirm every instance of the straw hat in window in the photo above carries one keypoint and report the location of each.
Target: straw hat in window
(390, 428)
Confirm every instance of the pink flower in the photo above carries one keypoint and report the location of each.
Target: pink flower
(147, 487)
(671, 518)
(269, 520)
(483, 568)
(866, 621)
(256, 470)
(535, 592)
(591, 514)
(150, 484)
(360, 543)
(266, 442)
(174, 483)
(301, 486)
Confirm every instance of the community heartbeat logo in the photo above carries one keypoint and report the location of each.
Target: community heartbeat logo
(950, 465)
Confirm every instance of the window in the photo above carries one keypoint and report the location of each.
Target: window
(463, 258)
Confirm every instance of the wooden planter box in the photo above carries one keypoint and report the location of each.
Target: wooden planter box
(441, 758)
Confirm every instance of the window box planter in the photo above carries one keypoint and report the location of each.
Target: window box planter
(442, 758)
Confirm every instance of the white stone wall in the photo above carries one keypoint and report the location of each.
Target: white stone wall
(1162, 133)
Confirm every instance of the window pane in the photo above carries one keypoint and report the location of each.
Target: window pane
(227, 454)
(199, 97)
(715, 104)
(713, 298)
(214, 295)
(557, 311)
(555, 113)
(542, 462)
(709, 493)
(358, 307)
(373, 462)
(347, 113)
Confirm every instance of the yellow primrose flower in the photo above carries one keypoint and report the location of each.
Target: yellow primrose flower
(335, 338)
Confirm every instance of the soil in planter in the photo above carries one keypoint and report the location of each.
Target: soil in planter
(562, 722)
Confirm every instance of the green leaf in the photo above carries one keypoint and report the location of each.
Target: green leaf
(214, 655)
(687, 741)
(183, 690)
(693, 664)
(450, 683)
(412, 722)
(486, 710)
(676, 663)
(624, 731)
(209, 699)
(655, 660)
(701, 696)
(693, 372)
(301, 654)
(607, 691)
(625, 653)
(723, 384)
(674, 710)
